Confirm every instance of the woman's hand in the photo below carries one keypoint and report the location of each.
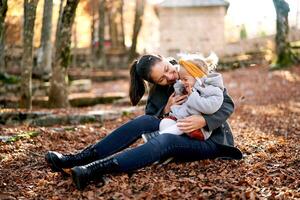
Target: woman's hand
(191, 123)
(174, 100)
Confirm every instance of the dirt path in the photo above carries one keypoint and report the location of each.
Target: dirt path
(266, 126)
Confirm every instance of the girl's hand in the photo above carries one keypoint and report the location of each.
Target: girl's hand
(189, 90)
(191, 123)
(174, 100)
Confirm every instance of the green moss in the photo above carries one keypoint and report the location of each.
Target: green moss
(243, 32)
(29, 134)
(126, 113)
(9, 79)
(65, 57)
(283, 61)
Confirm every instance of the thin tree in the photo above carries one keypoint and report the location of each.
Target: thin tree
(113, 31)
(116, 24)
(60, 13)
(58, 96)
(3, 11)
(27, 59)
(93, 28)
(75, 43)
(283, 50)
(44, 62)
(139, 12)
(101, 57)
(122, 34)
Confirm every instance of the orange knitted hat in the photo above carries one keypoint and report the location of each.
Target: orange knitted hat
(197, 65)
(193, 69)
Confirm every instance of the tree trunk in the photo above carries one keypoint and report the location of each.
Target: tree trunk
(60, 12)
(3, 11)
(101, 58)
(139, 12)
(44, 62)
(116, 25)
(283, 51)
(27, 59)
(58, 96)
(93, 30)
(112, 26)
(74, 50)
(122, 34)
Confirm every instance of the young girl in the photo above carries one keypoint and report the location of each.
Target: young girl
(205, 94)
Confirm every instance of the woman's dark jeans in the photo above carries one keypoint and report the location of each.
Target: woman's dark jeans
(163, 146)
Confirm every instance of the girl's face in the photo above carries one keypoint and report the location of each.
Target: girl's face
(164, 73)
(187, 80)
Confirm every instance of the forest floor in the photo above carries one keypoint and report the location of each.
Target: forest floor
(266, 127)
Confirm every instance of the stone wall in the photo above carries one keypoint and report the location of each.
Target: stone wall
(198, 29)
(202, 30)
(256, 44)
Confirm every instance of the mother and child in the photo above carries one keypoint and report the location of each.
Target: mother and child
(185, 118)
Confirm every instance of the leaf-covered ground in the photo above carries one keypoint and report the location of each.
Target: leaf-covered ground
(266, 126)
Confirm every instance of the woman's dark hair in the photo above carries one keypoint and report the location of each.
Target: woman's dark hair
(141, 70)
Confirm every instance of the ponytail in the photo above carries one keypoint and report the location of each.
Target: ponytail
(137, 85)
(141, 70)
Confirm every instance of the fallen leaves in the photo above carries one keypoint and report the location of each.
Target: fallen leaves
(266, 127)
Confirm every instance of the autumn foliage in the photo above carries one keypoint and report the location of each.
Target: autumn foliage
(266, 128)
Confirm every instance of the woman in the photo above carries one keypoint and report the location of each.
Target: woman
(99, 159)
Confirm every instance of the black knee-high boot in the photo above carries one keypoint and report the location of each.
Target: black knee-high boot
(94, 171)
(58, 161)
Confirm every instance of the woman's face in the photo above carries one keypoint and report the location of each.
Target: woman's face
(164, 73)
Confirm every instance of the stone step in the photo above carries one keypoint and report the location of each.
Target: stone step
(40, 88)
(8, 117)
(80, 100)
(51, 119)
(76, 100)
(126, 101)
(99, 75)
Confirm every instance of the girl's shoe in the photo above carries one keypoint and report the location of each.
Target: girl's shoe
(148, 136)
